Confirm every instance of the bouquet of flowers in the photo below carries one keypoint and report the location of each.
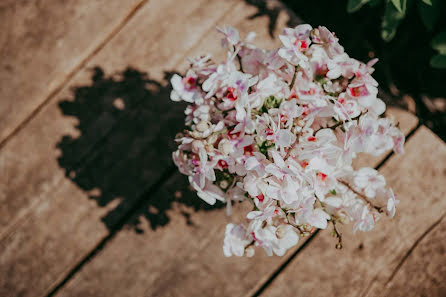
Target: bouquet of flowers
(280, 128)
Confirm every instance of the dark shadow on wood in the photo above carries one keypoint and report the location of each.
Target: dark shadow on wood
(271, 9)
(126, 125)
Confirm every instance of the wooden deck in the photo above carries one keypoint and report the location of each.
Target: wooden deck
(91, 204)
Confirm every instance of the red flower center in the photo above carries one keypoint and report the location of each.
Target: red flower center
(301, 44)
(322, 70)
(322, 176)
(247, 150)
(283, 118)
(311, 138)
(261, 197)
(223, 164)
(190, 82)
(359, 91)
(293, 95)
(311, 91)
(230, 94)
(233, 135)
(269, 132)
(304, 164)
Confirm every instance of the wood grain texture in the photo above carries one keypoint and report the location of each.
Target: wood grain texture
(370, 258)
(29, 175)
(183, 258)
(423, 273)
(49, 222)
(92, 161)
(43, 43)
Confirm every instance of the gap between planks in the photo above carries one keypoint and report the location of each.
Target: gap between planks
(256, 292)
(118, 226)
(100, 247)
(77, 165)
(59, 88)
(142, 198)
(412, 248)
(73, 72)
(160, 181)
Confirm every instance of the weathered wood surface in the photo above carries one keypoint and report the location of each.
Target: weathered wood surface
(46, 211)
(43, 43)
(29, 177)
(96, 157)
(423, 273)
(114, 151)
(368, 260)
(183, 258)
(430, 255)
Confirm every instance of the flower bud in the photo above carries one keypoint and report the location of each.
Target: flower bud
(202, 126)
(225, 147)
(212, 139)
(196, 146)
(209, 148)
(195, 134)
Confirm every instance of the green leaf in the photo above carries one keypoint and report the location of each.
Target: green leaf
(439, 43)
(428, 2)
(374, 3)
(355, 5)
(392, 19)
(397, 4)
(438, 61)
(429, 13)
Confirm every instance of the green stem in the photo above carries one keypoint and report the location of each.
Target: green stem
(338, 235)
(338, 124)
(294, 77)
(240, 63)
(379, 209)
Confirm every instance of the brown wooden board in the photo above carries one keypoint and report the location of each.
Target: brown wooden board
(86, 158)
(370, 258)
(182, 258)
(83, 114)
(423, 273)
(43, 212)
(92, 159)
(43, 43)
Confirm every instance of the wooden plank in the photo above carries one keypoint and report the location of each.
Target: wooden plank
(423, 273)
(44, 213)
(43, 43)
(52, 216)
(30, 177)
(171, 261)
(321, 270)
(183, 258)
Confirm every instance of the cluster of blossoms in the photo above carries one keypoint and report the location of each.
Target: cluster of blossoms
(280, 129)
